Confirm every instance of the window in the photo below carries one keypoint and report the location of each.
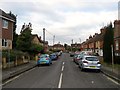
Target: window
(4, 42)
(5, 24)
(117, 45)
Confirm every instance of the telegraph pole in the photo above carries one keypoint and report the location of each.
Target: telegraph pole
(72, 41)
(71, 45)
(80, 40)
(44, 38)
(53, 41)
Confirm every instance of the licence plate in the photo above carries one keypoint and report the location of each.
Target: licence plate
(93, 66)
(42, 62)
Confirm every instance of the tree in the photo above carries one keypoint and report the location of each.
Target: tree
(108, 41)
(65, 46)
(35, 48)
(15, 35)
(24, 40)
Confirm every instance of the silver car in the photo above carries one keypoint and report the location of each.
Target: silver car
(89, 62)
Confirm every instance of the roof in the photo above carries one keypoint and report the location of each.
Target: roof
(39, 38)
(7, 16)
(58, 45)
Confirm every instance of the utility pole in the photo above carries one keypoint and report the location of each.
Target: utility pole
(80, 40)
(112, 58)
(53, 41)
(72, 41)
(44, 38)
(71, 45)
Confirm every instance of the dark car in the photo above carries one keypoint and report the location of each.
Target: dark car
(72, 54)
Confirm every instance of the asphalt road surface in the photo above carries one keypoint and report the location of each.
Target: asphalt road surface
(63, 73)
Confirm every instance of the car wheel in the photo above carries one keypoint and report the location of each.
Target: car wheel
(98, 70)
(38, 65)
(48, 64)
(81, 68)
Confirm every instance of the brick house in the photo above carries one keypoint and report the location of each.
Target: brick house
(58, 47)
(84, 45)
(76, 46)
(95, 42)
(37, 40)
(6, 34)
(117, 37)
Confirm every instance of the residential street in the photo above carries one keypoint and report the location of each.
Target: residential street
(63, 73)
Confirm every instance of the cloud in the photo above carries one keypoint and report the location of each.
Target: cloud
(66, 19)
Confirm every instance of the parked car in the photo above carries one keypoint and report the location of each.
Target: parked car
(86, 53)
(72, 54)
(76, 58)
(53, 56)
(44, 59)
(89, 62)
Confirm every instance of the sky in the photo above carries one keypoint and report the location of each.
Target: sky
(66, 19)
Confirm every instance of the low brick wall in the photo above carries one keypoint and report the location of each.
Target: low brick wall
(17, 62)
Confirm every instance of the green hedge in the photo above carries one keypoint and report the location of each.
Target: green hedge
(11, 55)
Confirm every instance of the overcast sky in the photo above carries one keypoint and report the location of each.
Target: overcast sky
(66, 19)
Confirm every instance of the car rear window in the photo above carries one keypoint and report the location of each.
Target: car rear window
(91, 58)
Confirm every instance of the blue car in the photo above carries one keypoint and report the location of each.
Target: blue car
(44, 59)
(54, 56)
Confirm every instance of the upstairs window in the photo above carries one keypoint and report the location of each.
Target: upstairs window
(5, 24)
(117, 45)
(4, 42)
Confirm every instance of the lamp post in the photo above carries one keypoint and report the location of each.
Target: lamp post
(112, 58)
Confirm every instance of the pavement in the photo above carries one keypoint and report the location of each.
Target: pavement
(14, 71)
(112, 73)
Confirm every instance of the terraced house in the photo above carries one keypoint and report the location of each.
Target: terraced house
(6, 34)
(95, 42)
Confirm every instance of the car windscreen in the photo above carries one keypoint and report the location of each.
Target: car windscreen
(91, 58)
(43, 56)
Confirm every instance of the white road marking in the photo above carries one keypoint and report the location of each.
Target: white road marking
(63, 63)
(62, 68)
(92, 82)
(17, 76)
(11, 80)
(111, 79)
(60, 81)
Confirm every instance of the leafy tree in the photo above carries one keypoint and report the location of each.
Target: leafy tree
(108, 41)
(65, 46)
(24, 40)
(15, 35)
(35, 48)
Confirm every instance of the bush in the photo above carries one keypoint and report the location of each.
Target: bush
(11, 55)
(117, 60)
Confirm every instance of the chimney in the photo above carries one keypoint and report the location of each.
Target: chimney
(103, 30)
(90, 37)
